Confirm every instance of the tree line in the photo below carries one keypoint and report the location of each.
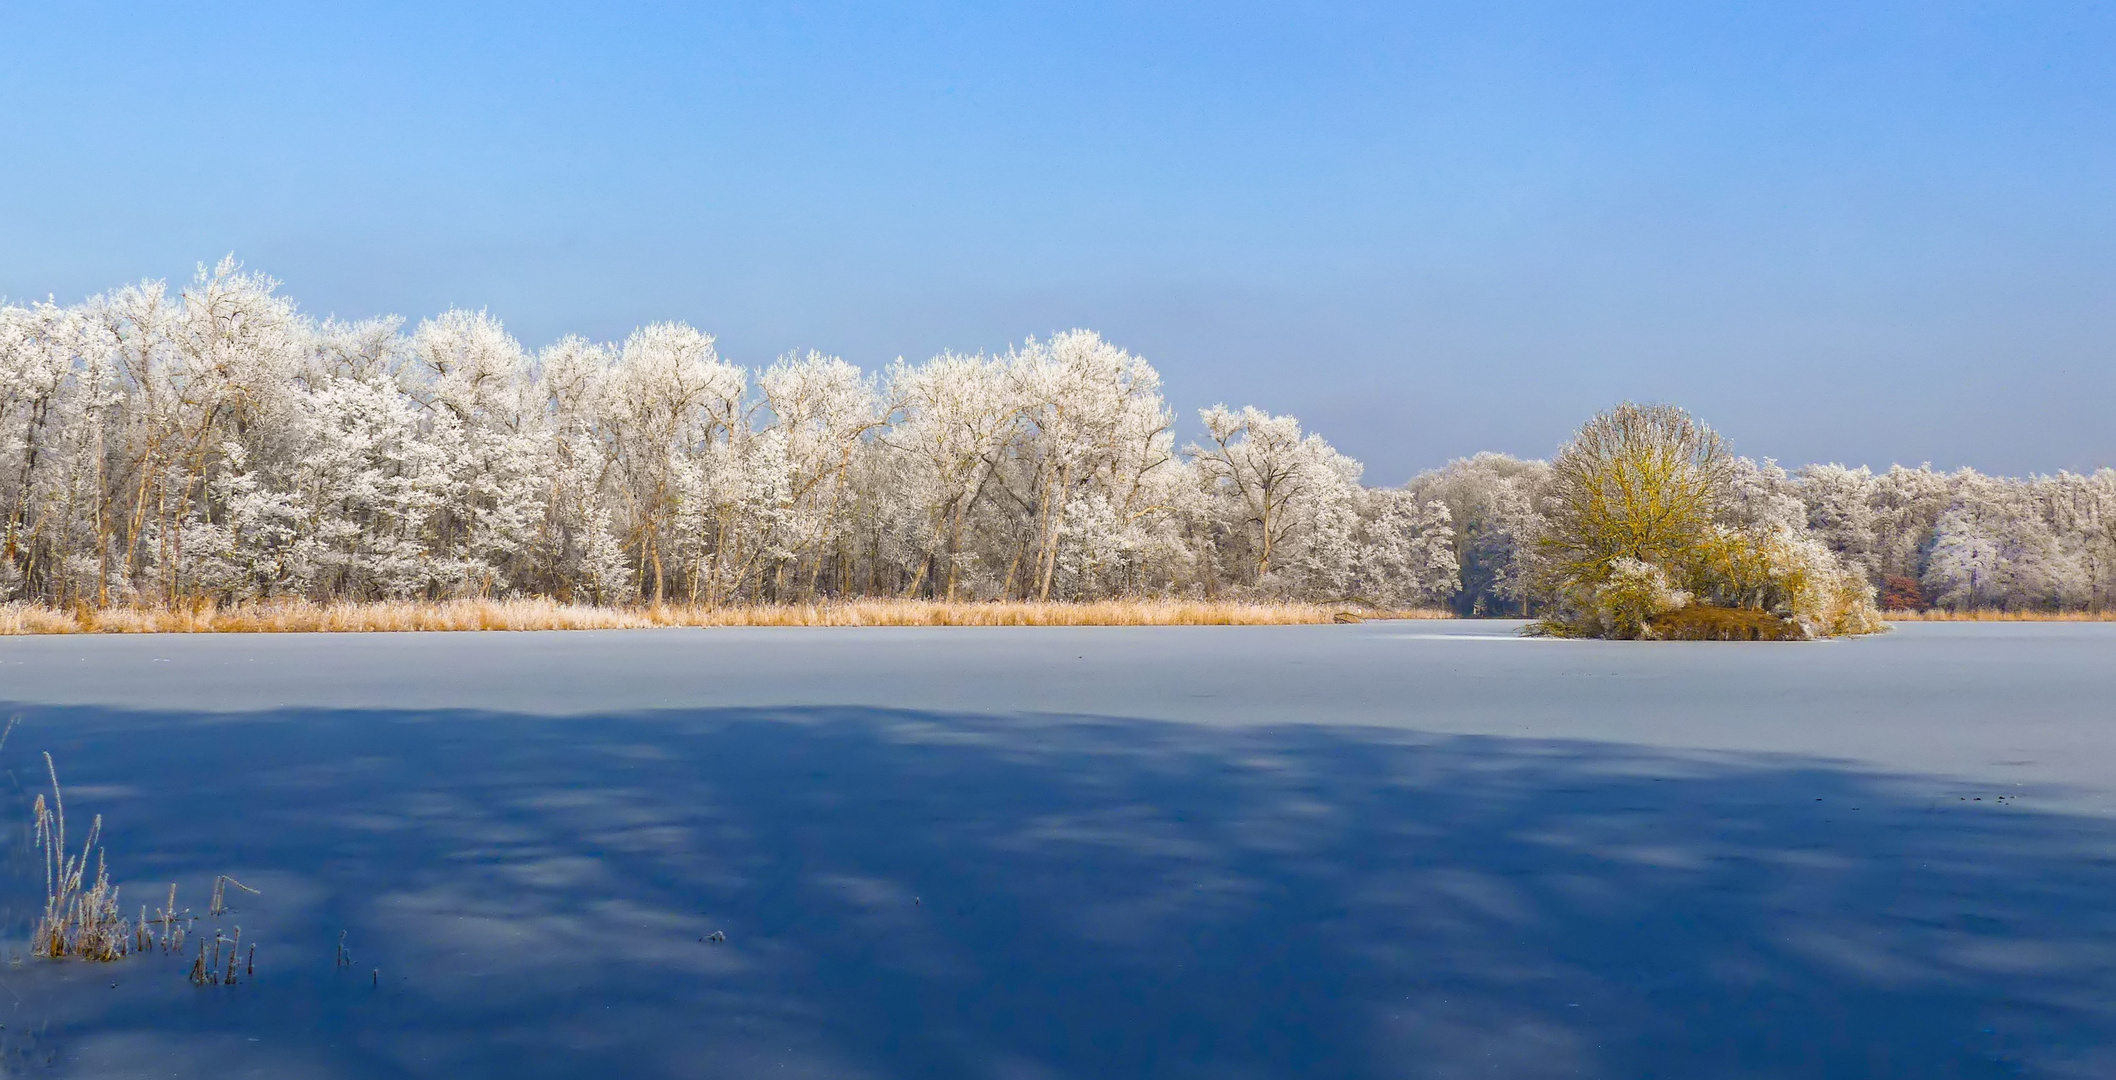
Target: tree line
(1922, 538)
(214, 443)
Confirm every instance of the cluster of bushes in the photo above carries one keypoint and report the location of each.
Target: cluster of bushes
(1959, 541)
(1651, 527)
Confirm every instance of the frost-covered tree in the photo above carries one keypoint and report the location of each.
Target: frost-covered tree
(1280, 500)
(2081, 511)
(1994, 548)
(1644, 483)
(956, 421)
(1491, 501)
(1967, 540)
(674, 419)
(1405, 552)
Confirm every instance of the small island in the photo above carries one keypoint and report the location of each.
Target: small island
(1652, 528)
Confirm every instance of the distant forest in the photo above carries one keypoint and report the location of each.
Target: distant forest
(214, 443)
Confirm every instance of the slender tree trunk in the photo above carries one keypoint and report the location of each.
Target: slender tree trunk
(102, 522)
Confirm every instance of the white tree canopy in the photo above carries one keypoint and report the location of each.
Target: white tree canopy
(219, 445)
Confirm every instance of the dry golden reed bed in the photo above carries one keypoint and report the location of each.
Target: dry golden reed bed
(301, 617)
(1999, 616)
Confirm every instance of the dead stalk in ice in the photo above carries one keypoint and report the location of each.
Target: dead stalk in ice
(221, 962)
(80, 919)
(171, 938)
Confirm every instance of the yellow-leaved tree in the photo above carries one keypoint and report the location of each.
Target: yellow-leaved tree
(1643, 537)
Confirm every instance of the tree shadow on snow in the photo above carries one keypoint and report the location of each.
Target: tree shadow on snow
(919, 895)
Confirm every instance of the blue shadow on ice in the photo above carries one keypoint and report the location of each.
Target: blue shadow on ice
(918, 895)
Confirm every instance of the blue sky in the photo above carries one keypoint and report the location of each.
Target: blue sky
(1867, 233)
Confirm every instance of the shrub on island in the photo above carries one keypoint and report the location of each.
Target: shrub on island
(1654, 529)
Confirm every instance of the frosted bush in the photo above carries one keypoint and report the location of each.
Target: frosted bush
(1625, 604)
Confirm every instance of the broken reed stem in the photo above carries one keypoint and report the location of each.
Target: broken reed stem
(219, 904)
(545, 614)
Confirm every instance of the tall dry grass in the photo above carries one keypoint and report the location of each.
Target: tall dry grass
(82, 919)
(81, 916)
(542, 614)
(1999, 616)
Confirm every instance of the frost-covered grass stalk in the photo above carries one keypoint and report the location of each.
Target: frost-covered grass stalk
(81, 916)
(540, 614)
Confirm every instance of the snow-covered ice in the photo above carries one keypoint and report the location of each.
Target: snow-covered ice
(1349, 851)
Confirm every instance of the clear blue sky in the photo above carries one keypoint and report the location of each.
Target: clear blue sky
(1859, 232)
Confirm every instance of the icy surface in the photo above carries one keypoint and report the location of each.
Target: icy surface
(1393, 849)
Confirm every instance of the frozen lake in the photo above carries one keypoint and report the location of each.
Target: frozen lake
(1383, 850)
